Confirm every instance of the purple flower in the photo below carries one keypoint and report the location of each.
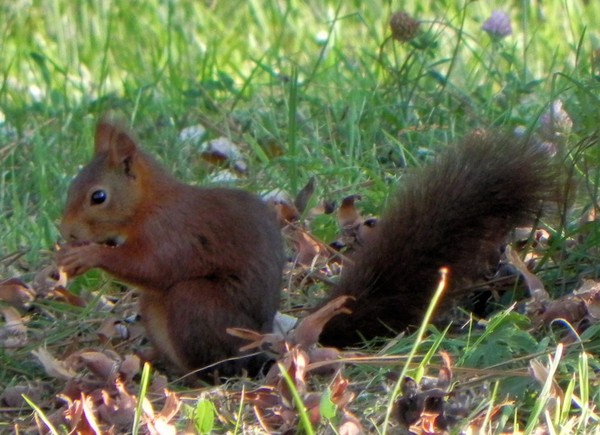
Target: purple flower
(498, 25)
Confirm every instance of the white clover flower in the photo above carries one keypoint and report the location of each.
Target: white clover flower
(193, 134)
(555, 123)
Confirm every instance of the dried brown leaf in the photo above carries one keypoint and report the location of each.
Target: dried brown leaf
(427, 425)
(308, 330)
(350, 425)
(53, 367)
(570, 308)
(13, 319)
(160, 424)
(476, 425)
(347, 214)
(100, 364)
(130, 367)
(223, 150)
(219, 150)
(312, 403)
(80, 417)
(420, 404)
(73, 414)
(286, 213)
(304, 195)
(535, 286)
(284, 208)
(308, 249)
(320, 355)
(540, 373)
(593, 305)
(47, 279)
(584, 303)
(272, 414)
(324, 207)
(264, 397)
(294, 363)
(13, 396)
(274, 341)
(69, 297)
(409, 406)
(340, 393)
(366, 231)
(89, 413)
(171, 407)
(14, 332)
(112, 328)
(118, 409)
(16, 293)
(159, 383)
(356, 231)
(445, 374)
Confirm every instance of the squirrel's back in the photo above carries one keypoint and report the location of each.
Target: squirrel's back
(448, 214)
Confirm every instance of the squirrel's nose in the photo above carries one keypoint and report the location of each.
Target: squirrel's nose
(67, 232)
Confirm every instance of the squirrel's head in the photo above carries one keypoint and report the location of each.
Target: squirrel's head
(107, 194)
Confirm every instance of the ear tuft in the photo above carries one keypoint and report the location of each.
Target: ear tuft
(114, 138)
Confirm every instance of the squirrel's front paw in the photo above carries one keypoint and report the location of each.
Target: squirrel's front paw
(77, 258)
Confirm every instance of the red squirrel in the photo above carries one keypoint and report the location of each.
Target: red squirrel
(206, 259)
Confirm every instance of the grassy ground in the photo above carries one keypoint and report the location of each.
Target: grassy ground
(307, 88)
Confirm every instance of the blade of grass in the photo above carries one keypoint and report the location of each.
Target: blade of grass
(303, 415)
(38, 411)
(144, 384)
(418, 340)
(541, 402)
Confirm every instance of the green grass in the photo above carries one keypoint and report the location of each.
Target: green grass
(309, 88)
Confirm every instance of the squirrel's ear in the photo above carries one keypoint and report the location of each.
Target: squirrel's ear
(115, 140)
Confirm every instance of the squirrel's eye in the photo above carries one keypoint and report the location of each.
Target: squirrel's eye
(98, 197)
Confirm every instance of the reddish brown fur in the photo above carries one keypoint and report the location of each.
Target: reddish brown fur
(204, 259)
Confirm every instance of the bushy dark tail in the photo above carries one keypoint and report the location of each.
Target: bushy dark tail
(445, 215)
